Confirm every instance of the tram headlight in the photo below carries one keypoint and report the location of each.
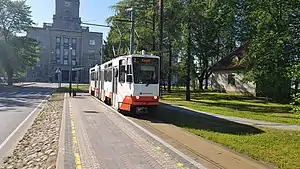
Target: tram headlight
(155, 97)
(137, 97)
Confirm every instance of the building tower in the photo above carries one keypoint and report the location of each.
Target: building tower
(67, 15)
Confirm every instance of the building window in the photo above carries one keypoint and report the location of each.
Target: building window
(231, 79)
(73, 62)
(92, 42)
(65, 62)
(58, 52)
(73, 40)
(73, 52)
(58, 40)
(92, 54)
(92, 51)
(58, 61)
(66, 40)
(66, 53)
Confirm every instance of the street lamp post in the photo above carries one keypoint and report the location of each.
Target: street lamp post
(132, 32)
(70, 71)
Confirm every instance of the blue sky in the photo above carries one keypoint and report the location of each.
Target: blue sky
(93, 11)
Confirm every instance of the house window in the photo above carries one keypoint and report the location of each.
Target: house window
(231, 79)
(58, 40)
(65, 62)
(58, 61)
(73, 62)
(92, 42)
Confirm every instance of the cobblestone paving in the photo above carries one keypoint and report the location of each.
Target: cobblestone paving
(69, 152)
(108, 141)
(38, 148)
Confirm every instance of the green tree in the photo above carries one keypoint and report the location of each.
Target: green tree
(172, 35)
(272, 46)
(119, 35)
(211, 31)
(15, 17)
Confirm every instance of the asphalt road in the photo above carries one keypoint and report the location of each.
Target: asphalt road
(17, 103)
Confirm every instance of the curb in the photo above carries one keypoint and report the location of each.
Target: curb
(8, 146)
(61, 143)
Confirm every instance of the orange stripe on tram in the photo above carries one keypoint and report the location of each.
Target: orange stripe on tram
(139, 101)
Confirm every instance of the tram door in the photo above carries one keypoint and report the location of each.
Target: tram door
(115, 88)
(102, 85)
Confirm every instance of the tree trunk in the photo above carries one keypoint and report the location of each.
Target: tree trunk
(161, 29)
(9, 73)
(206, 83)
(188, 66)
(170, 68)
(154, 25)
(206, 79)
(200, 84)
(296, 87)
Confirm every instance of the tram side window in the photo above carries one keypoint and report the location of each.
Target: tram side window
(92, 76)
(122, 72)
(129, 73)
(108, 75)
(105, 75)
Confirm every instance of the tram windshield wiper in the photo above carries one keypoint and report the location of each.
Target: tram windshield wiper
(149, 82)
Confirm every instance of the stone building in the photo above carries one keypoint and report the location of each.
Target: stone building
(65, 44)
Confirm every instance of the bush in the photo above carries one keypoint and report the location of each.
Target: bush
(296, 104)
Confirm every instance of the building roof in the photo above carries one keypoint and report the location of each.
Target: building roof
(231, 61)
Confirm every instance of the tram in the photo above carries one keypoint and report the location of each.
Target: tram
(127, 83)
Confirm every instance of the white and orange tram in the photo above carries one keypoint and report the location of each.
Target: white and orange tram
(127, 83)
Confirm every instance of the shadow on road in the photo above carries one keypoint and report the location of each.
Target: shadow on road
(197, 121)
(22, 96)
(7, 109)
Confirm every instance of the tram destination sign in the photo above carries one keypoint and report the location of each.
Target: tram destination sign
(145, 60)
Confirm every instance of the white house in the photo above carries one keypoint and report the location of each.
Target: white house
(227, 75)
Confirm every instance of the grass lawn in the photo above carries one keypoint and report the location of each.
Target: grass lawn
(81, 88)
(235, 105)
(278, 147)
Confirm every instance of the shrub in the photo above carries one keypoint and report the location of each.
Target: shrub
(296, 104)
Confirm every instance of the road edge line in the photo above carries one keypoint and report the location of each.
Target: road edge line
(182, 155)
(43, 104)
(78, 161)
(61, 143)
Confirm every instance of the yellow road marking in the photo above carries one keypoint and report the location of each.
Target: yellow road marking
(180, 165)
(75, 142)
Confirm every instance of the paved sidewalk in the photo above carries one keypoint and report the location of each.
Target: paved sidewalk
(97, 137)
(240, 120)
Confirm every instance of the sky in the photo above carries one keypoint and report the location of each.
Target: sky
(92, 11)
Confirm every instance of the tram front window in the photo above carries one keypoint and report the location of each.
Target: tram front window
(145, 70)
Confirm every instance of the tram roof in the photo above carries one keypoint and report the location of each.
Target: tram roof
(128, 56)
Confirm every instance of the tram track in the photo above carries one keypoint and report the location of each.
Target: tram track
(149, 121)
